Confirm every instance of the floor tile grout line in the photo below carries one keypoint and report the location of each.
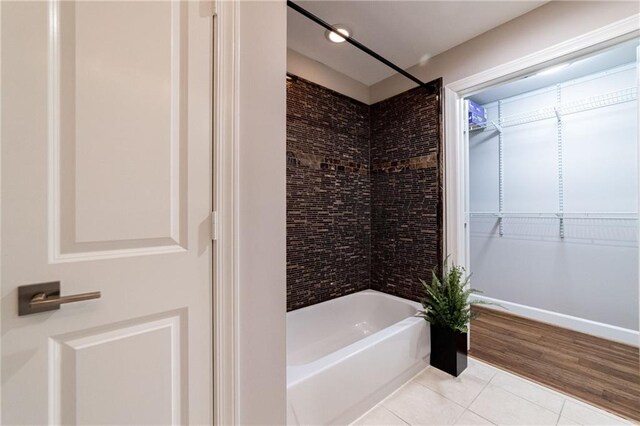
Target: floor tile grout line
(561, 409)
(460, 416)
(381, 403)
(395, 415)
(478, 377)
(565, 398)
(428, 388)
(479, 393)
(474, 399)
(527, 381)
(528, 400)
(533, 383)
(482, 417)
(438, 393)
(468, 373)
(599, 411)
(537, 406)
(460, 405)
(563, 394)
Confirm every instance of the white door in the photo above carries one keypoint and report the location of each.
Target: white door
(106, 186)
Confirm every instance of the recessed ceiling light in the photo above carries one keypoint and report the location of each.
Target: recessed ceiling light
(337, 36)
(553, 69)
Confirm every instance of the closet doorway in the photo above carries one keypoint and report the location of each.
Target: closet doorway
(551, 225)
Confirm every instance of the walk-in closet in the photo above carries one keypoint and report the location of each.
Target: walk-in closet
(553, 194)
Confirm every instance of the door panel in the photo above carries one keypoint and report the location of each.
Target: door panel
(106, 185)
(118, 130)
(148, 350)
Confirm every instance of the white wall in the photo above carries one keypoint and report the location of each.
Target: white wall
(593, 272)
(319, 73)
(548, 25)
(262, 212)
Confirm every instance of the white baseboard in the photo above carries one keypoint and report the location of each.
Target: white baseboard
(606, 331)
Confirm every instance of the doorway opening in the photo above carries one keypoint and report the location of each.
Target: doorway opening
(549, 229)
(553, 194)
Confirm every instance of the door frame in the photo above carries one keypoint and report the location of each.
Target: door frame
(225, 141)
(456, 165)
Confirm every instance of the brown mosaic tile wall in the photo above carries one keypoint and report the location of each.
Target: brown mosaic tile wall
(361, 213)
(328, 195)
(406, 218)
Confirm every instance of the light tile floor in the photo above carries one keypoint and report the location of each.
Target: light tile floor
(481, 395)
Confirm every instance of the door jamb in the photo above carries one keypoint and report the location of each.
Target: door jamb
(225, 203)
(456, 233)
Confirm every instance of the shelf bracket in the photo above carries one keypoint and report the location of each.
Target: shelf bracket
(557, 112)
(497, 126)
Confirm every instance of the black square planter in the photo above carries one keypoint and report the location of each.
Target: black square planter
(448, 350)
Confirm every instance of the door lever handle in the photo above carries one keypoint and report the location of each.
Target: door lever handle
(43, 297)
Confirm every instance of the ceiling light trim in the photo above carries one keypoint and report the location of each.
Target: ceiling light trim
(340, 35)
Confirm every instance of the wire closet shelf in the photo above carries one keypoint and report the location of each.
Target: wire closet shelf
(600, 101)
(558, 215)
(556, 112)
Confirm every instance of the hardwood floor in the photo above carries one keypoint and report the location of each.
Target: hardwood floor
(596, 370)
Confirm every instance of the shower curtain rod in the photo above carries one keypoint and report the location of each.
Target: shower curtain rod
(357, 44)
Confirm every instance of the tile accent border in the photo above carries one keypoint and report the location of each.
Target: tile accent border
(414, 163)
(322, 162)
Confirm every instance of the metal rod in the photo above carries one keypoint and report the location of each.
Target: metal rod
(560, 159)
(359, 45)
(500, 173)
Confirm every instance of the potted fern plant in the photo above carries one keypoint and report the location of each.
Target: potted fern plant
(447, 309)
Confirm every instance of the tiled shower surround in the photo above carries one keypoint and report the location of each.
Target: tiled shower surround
(363, 194)
(405, 193)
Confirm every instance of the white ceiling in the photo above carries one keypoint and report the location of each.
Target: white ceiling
(405, 32)
(622, 54)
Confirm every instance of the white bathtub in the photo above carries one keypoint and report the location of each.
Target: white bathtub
(347, 354)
